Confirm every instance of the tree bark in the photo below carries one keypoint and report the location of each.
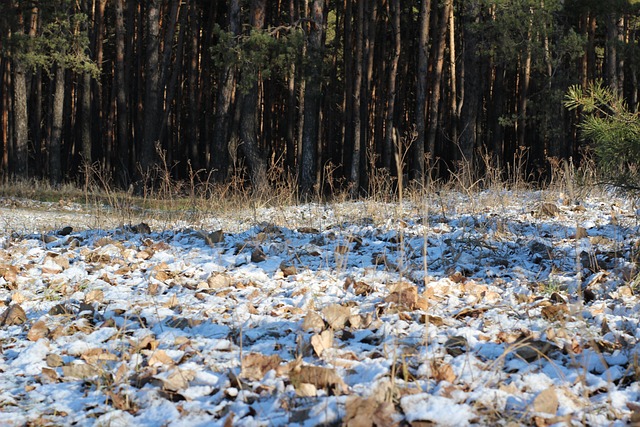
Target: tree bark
(249, 108)
(387, 150)
(417, 168)
(357, 91)
(122, 123)
(220, 150)
(472, 90)
(57, 118)
(434, 105)
(312, 100)
(148, 156)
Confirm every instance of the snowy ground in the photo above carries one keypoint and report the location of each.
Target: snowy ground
(499, 309)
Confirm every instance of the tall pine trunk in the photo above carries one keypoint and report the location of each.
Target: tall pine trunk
(387, 150)
(57, 118)
(357, 91)
(472, 94)
(151, 106)
(220, 150)
(312, 99)
(417, 168)
(249, 108)
(122, 118)
(434, 106)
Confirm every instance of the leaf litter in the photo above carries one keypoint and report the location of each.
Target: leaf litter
(345, 314)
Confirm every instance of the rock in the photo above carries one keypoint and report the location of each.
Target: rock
(258, 255)
(65, 231)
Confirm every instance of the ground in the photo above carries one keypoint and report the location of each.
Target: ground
(499, 308)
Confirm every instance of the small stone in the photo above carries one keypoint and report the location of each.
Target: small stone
(258, 255)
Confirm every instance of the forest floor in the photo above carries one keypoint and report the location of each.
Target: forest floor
(496, 308)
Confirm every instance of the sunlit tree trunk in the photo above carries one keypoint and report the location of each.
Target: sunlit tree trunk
(313, 99)
(387, 151)
(357, 91)
(55, 143)
(249, 108)
(417, 168)
(220, 152)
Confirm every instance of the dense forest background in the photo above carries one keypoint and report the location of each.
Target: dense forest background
(324, 92)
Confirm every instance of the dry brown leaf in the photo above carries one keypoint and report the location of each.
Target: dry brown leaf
(313, 322)
(177, 379)
(94, 295)
(218, 281)
(546, 402)
(13, 315)
(306, 390)
(288, 270)
(96, 355)
(319, 377)
(172, 302)
(321, 342)
(555, 312)
(441, 371)
(159, 357)
(336, 315)
(368, 412)
(79, 370)
(50, 374)
(470, 312)
(10, 274)
(256, 365)
(403, 294)
(38, 330)
(54, 360)
(18, 297)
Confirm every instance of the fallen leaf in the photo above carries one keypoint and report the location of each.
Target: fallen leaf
(555, 312)
(79, 370)
(95, 355)
(368, 412)
(320, 377)
(38, 330)
(403, 294)
(13, 315)
(441, 371)
(256, 365)
(313, 322)
(546, 401)
(218, 281)
(94, 295)
(54, 360)
(159, 357)
(336, 315)
(177, 379)
(321, 342)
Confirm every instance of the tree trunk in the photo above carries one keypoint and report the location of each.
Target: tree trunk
(312, 100)
(151, 107)
(611, 60)
(524, 79)
(387, 150)
(57, 118)
(248, 123)
(434, 105)
(357, 90)
(472, 90)
(227, 86)
(20, 121)
(197, 160)
(84, 107)
(122, 123)
(417, 169)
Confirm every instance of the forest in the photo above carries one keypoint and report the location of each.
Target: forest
(326, 93)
